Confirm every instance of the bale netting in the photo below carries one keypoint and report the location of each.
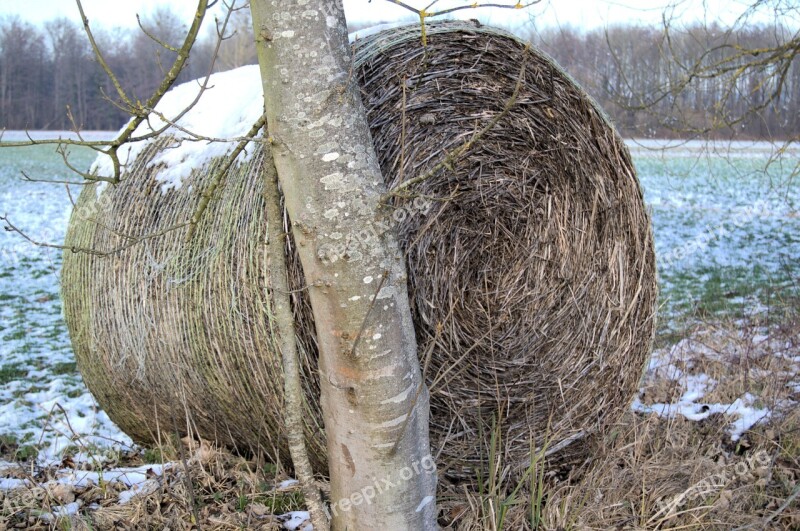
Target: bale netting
(530, 260)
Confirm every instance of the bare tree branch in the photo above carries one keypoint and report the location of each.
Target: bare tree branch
(426, 12)
(284, 337)
(10, 227)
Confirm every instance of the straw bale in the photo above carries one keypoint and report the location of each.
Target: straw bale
(530, 260)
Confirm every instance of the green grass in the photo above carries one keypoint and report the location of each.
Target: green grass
(15, 336)
(26, 453)
(152, 455)
(41, 273)
(722, 293)
(15, 448)
(8, 440)
(75, 393)
(10, 373)
(42, 161)
(19, 393)
(65, 368)
(282, 502)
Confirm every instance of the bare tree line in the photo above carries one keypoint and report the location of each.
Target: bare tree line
(652, 81)
(49, 78)
(694, 81)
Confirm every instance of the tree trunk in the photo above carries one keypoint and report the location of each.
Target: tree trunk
(374, 400)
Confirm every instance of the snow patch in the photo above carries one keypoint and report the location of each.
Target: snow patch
(13, 483)
(225, 112)
(69, 509)
(130, 477)
(372, 30)
(690, 405)
(140, 489)
(295, 519)
(287, 483)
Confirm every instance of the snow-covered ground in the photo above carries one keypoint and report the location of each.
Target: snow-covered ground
(44, 405)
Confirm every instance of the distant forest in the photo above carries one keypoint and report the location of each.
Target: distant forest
(651, 82)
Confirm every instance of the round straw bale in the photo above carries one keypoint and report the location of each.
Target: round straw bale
(530, 259)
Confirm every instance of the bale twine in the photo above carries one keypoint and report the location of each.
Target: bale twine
(530, 261)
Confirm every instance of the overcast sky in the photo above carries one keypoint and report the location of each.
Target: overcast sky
(580, 13)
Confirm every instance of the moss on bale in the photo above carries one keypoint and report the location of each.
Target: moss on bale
(530, 261)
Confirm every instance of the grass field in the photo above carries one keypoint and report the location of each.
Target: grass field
(728, 242)
(726, 233)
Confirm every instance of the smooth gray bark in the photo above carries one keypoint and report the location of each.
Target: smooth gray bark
(374, 400)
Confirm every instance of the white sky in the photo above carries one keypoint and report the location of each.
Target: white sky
(580, 13)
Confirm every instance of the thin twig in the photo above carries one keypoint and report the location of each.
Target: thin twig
(139, 110)
(220, 174)
(425, 12)
(472, 5)
(10, 227)
(101, 60)
(285, 337)
(153, 38)
(29, 179)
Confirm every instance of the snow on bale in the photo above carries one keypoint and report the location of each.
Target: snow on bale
(530, 260)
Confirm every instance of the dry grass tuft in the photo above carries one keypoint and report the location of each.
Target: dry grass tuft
(213, 490)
